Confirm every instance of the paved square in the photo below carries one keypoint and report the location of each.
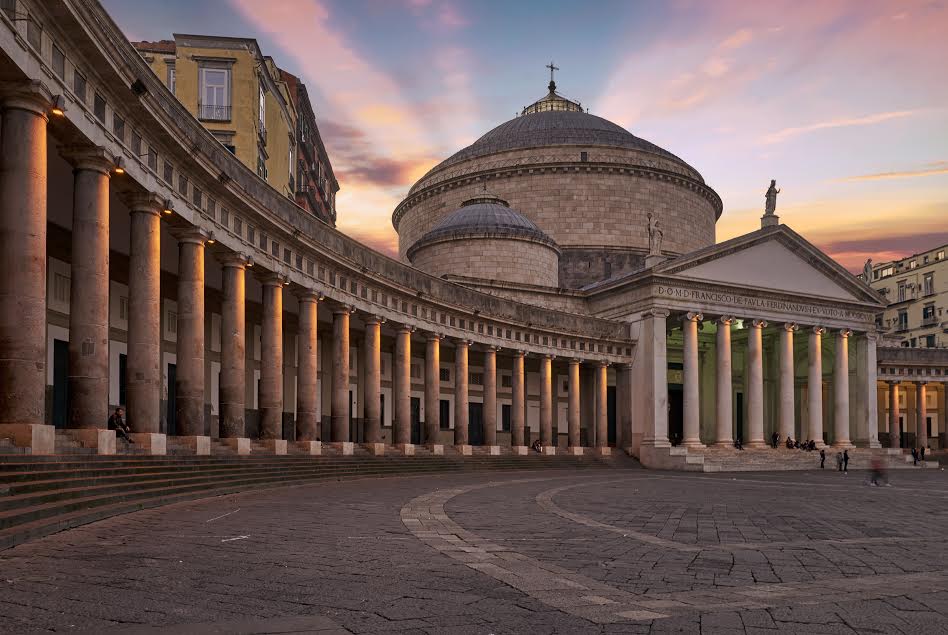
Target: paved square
(620, 551)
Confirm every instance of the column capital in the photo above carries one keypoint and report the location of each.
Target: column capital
(233, 259)
(844, 332)
(88, 157)
(921, 382)
(272, 279)
(339, 308)
(405, 328)
(692, 316)
(656, 312)
(432, 336)
(893, 382)
(602, 363)
(575, 360)
(304, 294)
(550, 356)
(872, 336)
(790, 327)
(758, 324)
(492, 348)
(818, 330)
(371, 318)
(30, 95)
(144, 202)
(460, 342)
(194, 235)
(725, 320)
(519, 353)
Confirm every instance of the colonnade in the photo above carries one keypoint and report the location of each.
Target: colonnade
(916, 415)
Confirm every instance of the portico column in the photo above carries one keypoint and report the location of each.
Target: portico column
(233, 379)
(23, 186)
(143, 370)
(867, 392)
(624, 406)
(653, 387)
(841, 390)
(921, 408)
(691, 406)
(461, 400)
(518, 401)
(339, 404)
(602, 408)
(433, 390)
(724, 413)
(271, 360)
(402, 397)
(490, 396)
(307, 408)
(546, 401)
(895, 440)
(89, 293)
(572, 413)
(786, 415)
(189, 378)
(373, 380)
(815, 384)
(755, 384)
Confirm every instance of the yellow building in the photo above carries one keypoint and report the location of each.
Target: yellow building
(238, 94)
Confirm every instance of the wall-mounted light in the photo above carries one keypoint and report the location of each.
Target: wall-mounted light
(59, 106)
(119, 167)
(168, 206)
(210, 239)
(249, 261)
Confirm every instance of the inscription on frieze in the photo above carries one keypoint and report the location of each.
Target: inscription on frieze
(766, 304)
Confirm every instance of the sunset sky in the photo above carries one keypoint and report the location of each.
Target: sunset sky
(844, 103)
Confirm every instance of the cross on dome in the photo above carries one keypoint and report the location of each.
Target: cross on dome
(552, 68)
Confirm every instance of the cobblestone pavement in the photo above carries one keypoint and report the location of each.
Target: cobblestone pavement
(602, 551)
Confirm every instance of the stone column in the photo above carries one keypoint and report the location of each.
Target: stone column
(518, 404)
(895, 439)
(724, 411)
(653, 388)
(921, 410)
(23, 186)
(271, 364)
(786, 414)
(841, 391)
(402, 389)
(433, 393)
(546, 405)
(307, 397)
(867, 392)
(189, 379)
(691, 400)
(755, 384)
(602, 408)
(143, 370)
(461, 400)
(339, 404)
(490, 400)
(373, 384)
(233, 381)
(624, 407)
(572, 412)
(815, 385)
(89, 299)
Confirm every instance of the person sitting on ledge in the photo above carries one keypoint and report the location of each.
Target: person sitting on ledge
(738, 444)
(774, 439)
(118, 424)
(536, 446)
(796, 444)
(812, 445)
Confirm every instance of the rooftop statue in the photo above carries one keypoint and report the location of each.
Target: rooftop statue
(655, 236)
(771, 197)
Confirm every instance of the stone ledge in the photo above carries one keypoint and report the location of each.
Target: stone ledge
(102, 439)
(408, 449)
(312, 448)
(436, 448)
(200, 445)
(464, 450)
(39, 438)
(375, 449)
(520, 450)
(240, 445)
(549, 450)
(155, 443)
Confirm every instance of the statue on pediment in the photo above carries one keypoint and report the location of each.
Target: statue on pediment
(867, 270)
(770, 207)
(655, 236)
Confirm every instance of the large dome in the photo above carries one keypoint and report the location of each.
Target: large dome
(557, 128)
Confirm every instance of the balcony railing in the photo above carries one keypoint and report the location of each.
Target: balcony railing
(211, 112)
(930, 321)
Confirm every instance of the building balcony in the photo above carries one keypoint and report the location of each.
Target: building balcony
(211, 112)
(930, 321)
(900, 328)
(262, 132)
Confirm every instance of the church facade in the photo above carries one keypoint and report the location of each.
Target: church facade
(557, 281)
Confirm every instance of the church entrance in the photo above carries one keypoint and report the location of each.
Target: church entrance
(416, 422)
(475, 423)
(676, 414)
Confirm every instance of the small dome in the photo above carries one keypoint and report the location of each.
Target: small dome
(484, 217)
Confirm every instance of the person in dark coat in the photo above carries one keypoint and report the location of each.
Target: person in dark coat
(822, 458)
(846, 461)
(117, 423)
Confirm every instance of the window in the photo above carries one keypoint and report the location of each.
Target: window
(152, 159)
(34, 33)
(238, 226)
(903, 320)
(476, 379)
(287, 256)
(197, 197)
(505, 417)
(261, 165)
(59, 62)
(930, 341)
(214, 102)
(136, 143)
(9, 7)
(61, 288)
(928, 284)
(79, 86)
(888, 271)
(98, 107)
(445, 374)
(584, 157)
(445, 412)
(172, 322)
(171, 77)
(118, 127)
(250, 232)
(902, 290)
(913, 264)
(940, 255)
(263, 241)
(263, 108)
(123, 308)
(275, 249)
(211, 208)
(505, 381)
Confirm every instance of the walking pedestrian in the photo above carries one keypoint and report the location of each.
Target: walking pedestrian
(839, 461)
(822, 457)
(914, 456)
(923, 453)
(845, 461)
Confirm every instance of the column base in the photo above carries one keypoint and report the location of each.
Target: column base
(576, 450)
(520, 450)
(375, 449)
(312, 448)
(199, 445)
(37, 437)
(464, 450)
(756, 445)
(408, 449)
(345, 448)
(436, 448)
(723, 444)
(101, 439)
(493, 450)
(602, 451)
(845, 445)
(240, 445)
(692, 443)
(549, 450)
(154, 443)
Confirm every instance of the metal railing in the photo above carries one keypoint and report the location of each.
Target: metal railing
(211, 112)
(929, 321)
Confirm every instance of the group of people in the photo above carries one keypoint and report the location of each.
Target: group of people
(842, 461)
(918, 454)
(796, 444)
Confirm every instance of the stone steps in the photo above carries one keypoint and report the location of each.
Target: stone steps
(782, 459)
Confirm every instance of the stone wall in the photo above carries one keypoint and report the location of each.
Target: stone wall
(491, 259)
